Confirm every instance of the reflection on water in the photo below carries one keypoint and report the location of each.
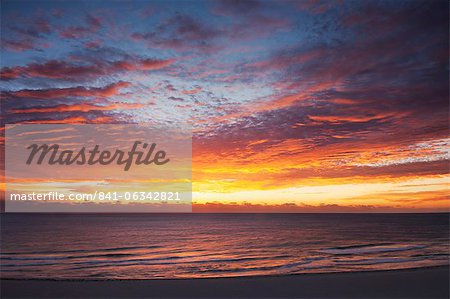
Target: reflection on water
(149, 246)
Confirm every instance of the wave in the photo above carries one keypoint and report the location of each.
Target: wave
(370, 248)
(91, 263)
(376, 261)
(81, 250)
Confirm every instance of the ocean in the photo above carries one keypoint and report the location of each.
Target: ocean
(166, 246)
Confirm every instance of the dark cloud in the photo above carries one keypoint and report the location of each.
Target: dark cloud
(237, 7)
(176, 99)
(69, 92)
(93, 24)
(181, 33)
(67, 71)
(21, 34)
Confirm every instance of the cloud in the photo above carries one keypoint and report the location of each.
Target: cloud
(355, 118)
(93, 44)
(142, 65)
(181, 33)
(218, 207)
(192, 91)
(176, 99)
(74, 120)
(93, 24)
(83, 107)
(237, 7)
(20, 45)
(70, 92)
(251, 19)
(64, 70)
(21, 34)
(317, 6)
(185, 33)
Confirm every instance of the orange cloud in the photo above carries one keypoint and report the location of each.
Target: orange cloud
(142, 65)
(80, 108)
(192, 91)
(218, 207)
(73, 120)
(355, 118)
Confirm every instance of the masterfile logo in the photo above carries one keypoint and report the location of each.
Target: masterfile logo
(98, 168)
(53, 155)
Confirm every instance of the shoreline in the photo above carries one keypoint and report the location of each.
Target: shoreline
(426, 282)
(228, 277)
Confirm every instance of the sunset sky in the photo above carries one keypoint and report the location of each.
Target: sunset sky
(295, 106)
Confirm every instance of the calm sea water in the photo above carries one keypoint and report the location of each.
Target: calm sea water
(149, 246)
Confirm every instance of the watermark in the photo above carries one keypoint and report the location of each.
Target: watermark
(94, 156)
(97, 195)
(98, 168)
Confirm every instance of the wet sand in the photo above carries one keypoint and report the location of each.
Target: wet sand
(411, 283)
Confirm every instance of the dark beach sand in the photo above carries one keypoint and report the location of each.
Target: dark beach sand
(413, 283)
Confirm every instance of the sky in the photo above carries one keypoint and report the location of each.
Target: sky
(294, 106)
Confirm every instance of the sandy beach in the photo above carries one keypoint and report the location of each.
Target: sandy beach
(411, 283)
